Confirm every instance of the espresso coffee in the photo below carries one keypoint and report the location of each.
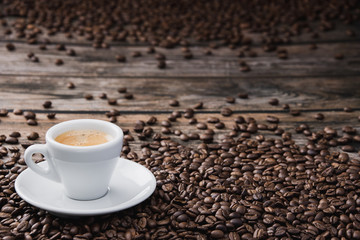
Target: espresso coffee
(81, 138)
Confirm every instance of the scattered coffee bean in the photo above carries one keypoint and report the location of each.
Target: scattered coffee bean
(15, 134)
(188, 55)
(150, 50)
(42, 47)
(71, 52)
(272, 119)
(51, 115)
(348, 148)
(161, 64)
(174, 103)
(33, 136)
(11, 140)
(120, 58)
(3, 112)
(70, 85)
(17, 111)
(136, 54)
(32, 122)
(88, 96)
(112, 101)
(59, 62)
(122, 90)
(226, 112)
(339, 56)
(128, 96)
(243, 95)
(10, 47)
(60, 47)
(348, 109)
(295, 112)
(274, 101)
(199, 105)
(201, 126)
(29, 115)
(319, 116)
(230, 99)
(47, 104)
(103, 96)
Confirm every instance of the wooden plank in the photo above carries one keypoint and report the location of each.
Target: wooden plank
(338, 34)
(91, 62)
(336, 120)
(154, 94)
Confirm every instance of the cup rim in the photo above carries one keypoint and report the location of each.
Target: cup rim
(118, 137)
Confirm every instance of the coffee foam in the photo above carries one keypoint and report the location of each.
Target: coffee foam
(85, 137)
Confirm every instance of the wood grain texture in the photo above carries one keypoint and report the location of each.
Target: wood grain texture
(154, 94)
(96, 63)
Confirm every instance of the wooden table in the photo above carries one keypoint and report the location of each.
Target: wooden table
(311, 81)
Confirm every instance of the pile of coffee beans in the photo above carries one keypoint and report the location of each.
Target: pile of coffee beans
(253, 181)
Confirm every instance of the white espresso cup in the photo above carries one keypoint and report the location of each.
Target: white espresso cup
(84, 171)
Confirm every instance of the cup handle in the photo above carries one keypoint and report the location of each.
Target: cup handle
(49, 173)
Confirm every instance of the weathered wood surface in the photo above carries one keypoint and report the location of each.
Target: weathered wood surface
(91, 62)
(154, 94)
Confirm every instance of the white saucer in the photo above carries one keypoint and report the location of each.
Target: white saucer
(131, 184)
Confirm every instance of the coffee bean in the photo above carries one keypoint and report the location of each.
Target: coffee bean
(243, 95)
(348, 109)
(47, 104)
(188, 55)
(295, 112)
(174, 103)
(150, 50)
(161, 64)
(60, 47)
(70, 85)
(319, 116)
(103, 96)
(339, 56)
(226, 112)
(120, 58)
(31, 122)
(201, 126)
(59, 62)
(3, 112)
(208, 52)
(71, 52)
(199, 105)
(17, 112)
(136, 54)
(219, 125)
(272, 119)
(33, 136)
(88, 96)
(10, 47)
(112, 101)
(15, 134)
(348, 148)
(217, 234)
(122, 89)
(160, 56)
(42, 47)
(230, 99)
(29, 115)
(11, 140)
(273, 101)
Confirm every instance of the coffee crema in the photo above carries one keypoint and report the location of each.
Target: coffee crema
(82, 138)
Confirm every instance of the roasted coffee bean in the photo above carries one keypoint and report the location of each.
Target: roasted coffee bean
(201, 126)
(348, 109)
(70, 85)
(273, 101)
(217, 234)
(226, 112)
(71, 52)
(103, 96)
(295, 112)
(60, 47)
(42, 47)
(29, 115)
(213, 120)
(161, 64)
(199, 105)
(272, 119)
(47, 104)
(348, 148)
(165, 123)
(243, 95)
(150, 50)
(152, 120)
(230, 99)
(319, 116)
(339, 56)
(219, 125)
(136, 54)
(59, 62)
(160, 56)
(128, 96)
(88, 96)
(18, 112)
(33, 136)
(15, 134)
(120, 58)
(10, 47)
(112, 101)
(35, 59)
(11, 140)
(188, 55)
(122, 89)
(31, 122)
(3, 112)
(174, 103)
